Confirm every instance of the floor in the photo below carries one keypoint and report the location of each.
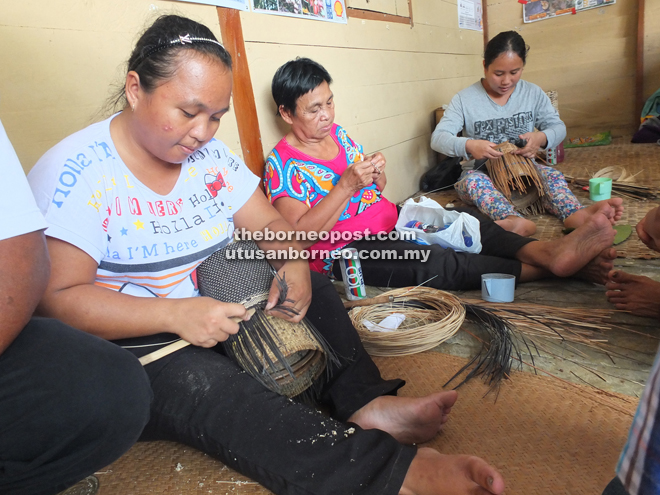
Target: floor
(632, 341)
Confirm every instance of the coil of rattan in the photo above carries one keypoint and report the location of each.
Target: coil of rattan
(432, 316)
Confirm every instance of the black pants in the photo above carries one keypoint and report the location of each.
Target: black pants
(455, 271)
(70, 404)
(615, 487)
(202, 399)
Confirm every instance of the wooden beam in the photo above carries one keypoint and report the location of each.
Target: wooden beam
(484, 20)
(243, 95)
(378, 16)
(639, 66)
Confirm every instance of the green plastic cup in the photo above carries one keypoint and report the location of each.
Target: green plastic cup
(600, 188)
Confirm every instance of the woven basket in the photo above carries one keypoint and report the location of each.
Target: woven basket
(285, 357)
(518, 179)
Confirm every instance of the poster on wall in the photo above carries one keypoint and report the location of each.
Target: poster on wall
(470, 15)
(319, 10)
(232, 4)
(540, 10)
(592, 4)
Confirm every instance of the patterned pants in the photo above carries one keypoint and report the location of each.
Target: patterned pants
(477, 188)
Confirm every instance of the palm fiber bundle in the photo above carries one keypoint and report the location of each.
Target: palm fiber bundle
(518, 179)
(622, 188)
(285, 357)
(511, 330)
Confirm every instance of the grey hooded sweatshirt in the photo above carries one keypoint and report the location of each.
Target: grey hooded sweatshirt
(479, 117)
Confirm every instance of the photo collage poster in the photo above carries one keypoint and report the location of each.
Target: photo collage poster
(540, 10)
(319, 10)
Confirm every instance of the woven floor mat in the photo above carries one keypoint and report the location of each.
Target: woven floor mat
(644, 158)
(546, 437)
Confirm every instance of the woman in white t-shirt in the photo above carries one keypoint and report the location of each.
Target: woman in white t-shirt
(134, 204)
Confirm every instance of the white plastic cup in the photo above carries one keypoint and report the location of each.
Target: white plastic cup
(498, 287)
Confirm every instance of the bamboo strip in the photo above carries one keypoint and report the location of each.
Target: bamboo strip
(179, 344)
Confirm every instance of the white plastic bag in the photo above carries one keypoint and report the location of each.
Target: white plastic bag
(462, 227)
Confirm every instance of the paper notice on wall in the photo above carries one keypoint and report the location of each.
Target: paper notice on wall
(470, 15)
(319, 10)
(540, 10)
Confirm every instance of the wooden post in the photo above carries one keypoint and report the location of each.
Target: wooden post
(244, 106)
(639, 69)
(484, 20)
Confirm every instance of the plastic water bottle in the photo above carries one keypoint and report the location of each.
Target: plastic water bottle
(467, 239)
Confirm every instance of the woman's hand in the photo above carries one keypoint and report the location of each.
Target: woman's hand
(479, 148)
(357, 176)
(378, 161)
(378, 174)
(204, 321)
(535, 141)
(299, 294)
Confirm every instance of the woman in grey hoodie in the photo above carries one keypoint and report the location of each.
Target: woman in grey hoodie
(503, 107)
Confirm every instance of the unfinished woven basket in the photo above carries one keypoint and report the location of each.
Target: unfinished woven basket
(432, 316)
(285, 357)
(518, 179)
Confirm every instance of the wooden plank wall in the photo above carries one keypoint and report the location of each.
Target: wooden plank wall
(589, 58)
(388, 78)
(651, 47)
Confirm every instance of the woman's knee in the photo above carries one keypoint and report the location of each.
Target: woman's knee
(85, 392)
(110, 392)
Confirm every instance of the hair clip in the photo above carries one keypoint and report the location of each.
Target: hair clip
(184, 39)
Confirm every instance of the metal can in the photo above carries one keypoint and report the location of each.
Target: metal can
(351, 273)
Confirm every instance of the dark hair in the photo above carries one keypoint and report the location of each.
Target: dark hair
(508, 41)
(154, 55)
(294, 79)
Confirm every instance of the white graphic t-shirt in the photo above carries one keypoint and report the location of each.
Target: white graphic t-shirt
(18, 213)
(146, 244)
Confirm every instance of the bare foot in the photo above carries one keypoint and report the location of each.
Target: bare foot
(648, 229)
(432, 473)
(408, 419)
(612, 208)
(635, 293)
(517, 225)
(598, 269)
(566, 256)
